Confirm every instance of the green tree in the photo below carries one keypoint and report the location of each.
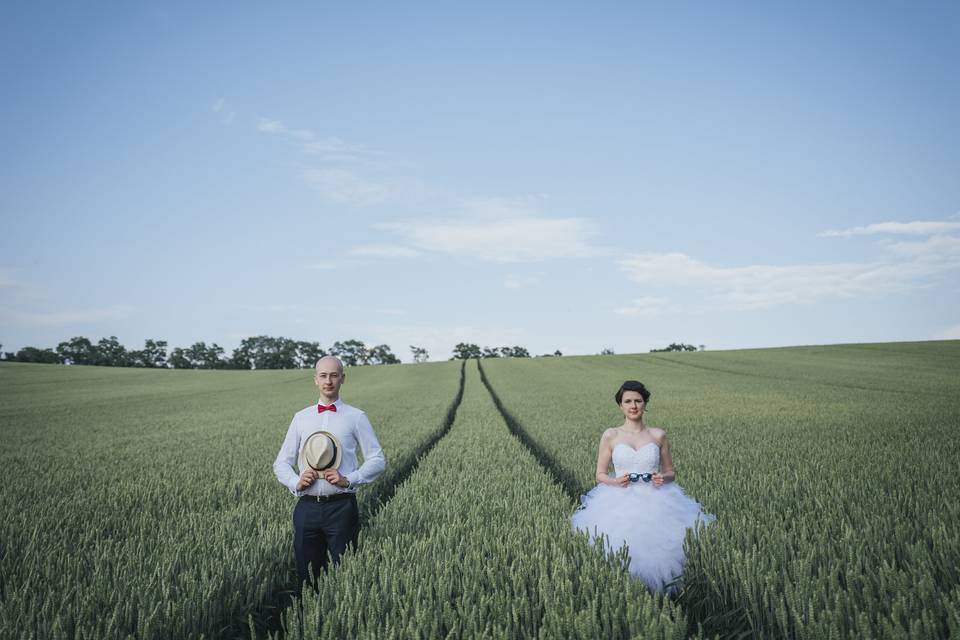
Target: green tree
(351, 352)
(308, 353)
(419, 354)
(77, 350)
(490, 352)
(110, 353)
(179, 359)
(381, 354)
(519, 352)
(265, 352)
(675, 346)
(33, 354)
(243, 355)
(153, 355)
(465, 351)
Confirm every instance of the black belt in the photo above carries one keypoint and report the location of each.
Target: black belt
(329, 498)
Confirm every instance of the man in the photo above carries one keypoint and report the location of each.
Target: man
(326, 520)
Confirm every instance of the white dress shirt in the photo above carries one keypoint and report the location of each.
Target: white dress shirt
(351, 427)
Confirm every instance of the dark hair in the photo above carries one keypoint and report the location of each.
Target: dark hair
(632, 385)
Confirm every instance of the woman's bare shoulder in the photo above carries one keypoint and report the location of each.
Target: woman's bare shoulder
(609, 434)
(658, 434)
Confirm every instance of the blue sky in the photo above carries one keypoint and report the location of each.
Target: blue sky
(572, 176)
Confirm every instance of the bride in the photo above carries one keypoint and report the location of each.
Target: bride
(641, 505)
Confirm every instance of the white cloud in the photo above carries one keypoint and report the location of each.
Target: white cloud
(528, 206)
(903, 228)
(218, 107)
(950, 333)
(277, 127)
(330, 149)
(343, 186)
(906, 266)
(334, 149)
(645, 306)
(939, 247)
(498, 240)
(762, 286)
(66, 317)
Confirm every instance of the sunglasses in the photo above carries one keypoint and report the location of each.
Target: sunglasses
(634, 477)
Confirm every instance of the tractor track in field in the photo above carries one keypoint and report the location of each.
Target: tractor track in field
(560, 475)
(375, 499)
(379, 496)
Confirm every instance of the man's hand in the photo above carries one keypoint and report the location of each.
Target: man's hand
(307, 478)
(333, 477)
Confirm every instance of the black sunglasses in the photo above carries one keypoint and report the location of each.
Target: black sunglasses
(634, 477)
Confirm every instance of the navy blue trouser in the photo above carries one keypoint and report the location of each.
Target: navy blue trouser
(322, 531)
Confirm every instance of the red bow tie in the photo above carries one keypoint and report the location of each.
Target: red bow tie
(322, 407)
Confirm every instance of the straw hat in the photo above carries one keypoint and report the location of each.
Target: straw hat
(320, 451)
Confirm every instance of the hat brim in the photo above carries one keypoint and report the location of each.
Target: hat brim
(302, 461)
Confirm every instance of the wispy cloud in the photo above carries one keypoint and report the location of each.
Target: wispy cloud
(383, 251)
(938, 248)
(904, 266)
(763, 286)
(497, 230)
(330, 149)
(918, 228)
(219, 106)
(277, 127)
(340, 185)
(515, 240)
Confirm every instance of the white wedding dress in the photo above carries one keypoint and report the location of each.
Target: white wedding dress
(652, 521)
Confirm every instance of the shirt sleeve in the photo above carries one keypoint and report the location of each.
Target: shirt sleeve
(373, 460)
(283, 466)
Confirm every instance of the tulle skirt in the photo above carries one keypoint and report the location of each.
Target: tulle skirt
(652, 521)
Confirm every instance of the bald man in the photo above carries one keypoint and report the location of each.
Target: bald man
(326, 520)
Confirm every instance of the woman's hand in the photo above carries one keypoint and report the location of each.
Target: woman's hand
(620, 481)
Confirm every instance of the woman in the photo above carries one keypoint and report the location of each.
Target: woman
(641, 505)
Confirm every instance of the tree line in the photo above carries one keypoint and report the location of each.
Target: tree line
(468, 350)
(257, 352)
(676, 346)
